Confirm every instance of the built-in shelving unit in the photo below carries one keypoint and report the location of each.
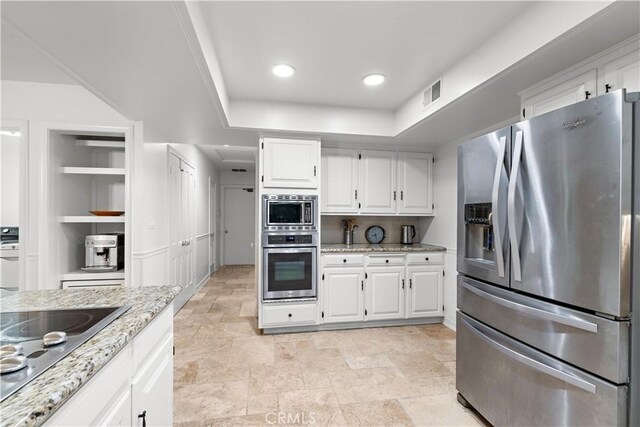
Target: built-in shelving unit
(88, 170)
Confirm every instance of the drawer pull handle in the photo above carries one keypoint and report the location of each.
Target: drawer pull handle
(387, 261)
(344, 260)
(290, 315)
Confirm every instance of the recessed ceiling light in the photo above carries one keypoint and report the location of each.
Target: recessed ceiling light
(283, 70)
(225, 145)
(374, 79)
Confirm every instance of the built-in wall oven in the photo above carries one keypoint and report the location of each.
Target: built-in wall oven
(289, 212)
(289, 265)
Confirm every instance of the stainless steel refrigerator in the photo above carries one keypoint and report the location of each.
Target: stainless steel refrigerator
(548, 263)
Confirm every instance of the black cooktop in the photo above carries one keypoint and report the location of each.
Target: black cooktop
(27, 328)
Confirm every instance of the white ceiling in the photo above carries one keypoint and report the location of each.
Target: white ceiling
(228, 158)
(333, 45)
(138, 57)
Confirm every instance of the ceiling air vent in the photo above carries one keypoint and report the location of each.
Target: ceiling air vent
(432, 94)
(238, 170)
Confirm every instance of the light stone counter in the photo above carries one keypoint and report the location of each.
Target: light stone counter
(36, 401)
(339, 248)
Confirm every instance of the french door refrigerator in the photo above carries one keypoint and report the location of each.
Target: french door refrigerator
(548, 260)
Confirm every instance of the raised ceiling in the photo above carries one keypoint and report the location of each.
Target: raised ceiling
(333, 45)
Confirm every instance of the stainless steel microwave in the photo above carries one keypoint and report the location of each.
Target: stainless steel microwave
(289, 212)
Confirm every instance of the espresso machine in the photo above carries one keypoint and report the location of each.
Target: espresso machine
(104, 252)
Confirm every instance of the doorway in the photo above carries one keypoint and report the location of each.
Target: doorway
(239, 225)
(213, 222)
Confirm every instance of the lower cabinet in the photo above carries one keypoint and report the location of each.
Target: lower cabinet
(425, 293)
(385, 293)
(135, 388)
(374, 287)
(343, 295)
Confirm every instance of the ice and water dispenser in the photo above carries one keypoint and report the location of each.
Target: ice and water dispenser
(479, 231)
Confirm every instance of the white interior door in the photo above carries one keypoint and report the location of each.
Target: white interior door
(212, 227)
(239, 225)
(175, 211)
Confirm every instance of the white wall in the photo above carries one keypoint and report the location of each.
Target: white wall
(9, 173)
(442, 230)
(238, 178)
(35, 103)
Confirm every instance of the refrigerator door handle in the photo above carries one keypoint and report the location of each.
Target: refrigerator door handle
(511, 208)
(533, 364)
(534, 312)
(494, 206)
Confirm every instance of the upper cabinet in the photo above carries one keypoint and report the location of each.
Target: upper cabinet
(415, 183)
(376, 182)
(340, 182)
(289, 163)
(613, 69)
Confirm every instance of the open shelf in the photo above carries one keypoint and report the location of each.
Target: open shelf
(91, 219)
(92, 171)
(97, 143)
(84, 275)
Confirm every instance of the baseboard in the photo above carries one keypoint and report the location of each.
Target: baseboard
(451, 324)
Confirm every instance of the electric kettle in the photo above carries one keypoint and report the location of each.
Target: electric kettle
(408, 233)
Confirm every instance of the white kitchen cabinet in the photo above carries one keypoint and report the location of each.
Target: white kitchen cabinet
(384, 293)
(339, 180)
(623, 72)
(289, 163)
(138, 378)
(343, 290)
(566, 93)
(425, 291)
(377, 183)
(415, 171)
(152, 388)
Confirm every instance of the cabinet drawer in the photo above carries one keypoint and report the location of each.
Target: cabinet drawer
(288, 314)
(426, 258)
(343, 260)
(385, 259)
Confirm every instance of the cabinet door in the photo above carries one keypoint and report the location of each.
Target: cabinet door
(152, 389)
(290, 163)
(343, 295)
(415, 182)
(622, 73)
(425, 294)
(384, 293)
(567, 93)
(339, 180)
(119, 415)
(377, 182)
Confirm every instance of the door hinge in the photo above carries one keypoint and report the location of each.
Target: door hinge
(402, 283)
(314, 171)
(394, 194)
(323, 314)
(607, 88)
(322, 276)
(359, 156)
(262, 145)
(359, 205)
(443, 308)
(174, 350)
(433, 160)
(433, 206)
(366, 276)
(410, 283)
(362, 285)
(356, 194)
(401, 195)
(262, 178)
(443, 272)
(587, 94)
(365, 311)
(524, 115)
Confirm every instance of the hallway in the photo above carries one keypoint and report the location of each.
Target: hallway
(225, 373)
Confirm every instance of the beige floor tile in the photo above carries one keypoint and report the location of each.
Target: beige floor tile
(379, 413)
(438, 331)
(262, 403)
(418, 366)
(285, 354)
(201, 402)
(377, 361)
(213, 371)
(249, 309)
(317, 406)
(438, 410)
(272, 379)
(252, 350)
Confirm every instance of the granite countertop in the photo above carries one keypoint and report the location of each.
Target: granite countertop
(339, 248)
(36, 401)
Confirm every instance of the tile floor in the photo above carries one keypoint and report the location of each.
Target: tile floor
(226, 373)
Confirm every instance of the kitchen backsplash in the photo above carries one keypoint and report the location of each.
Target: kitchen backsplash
(332, 227)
